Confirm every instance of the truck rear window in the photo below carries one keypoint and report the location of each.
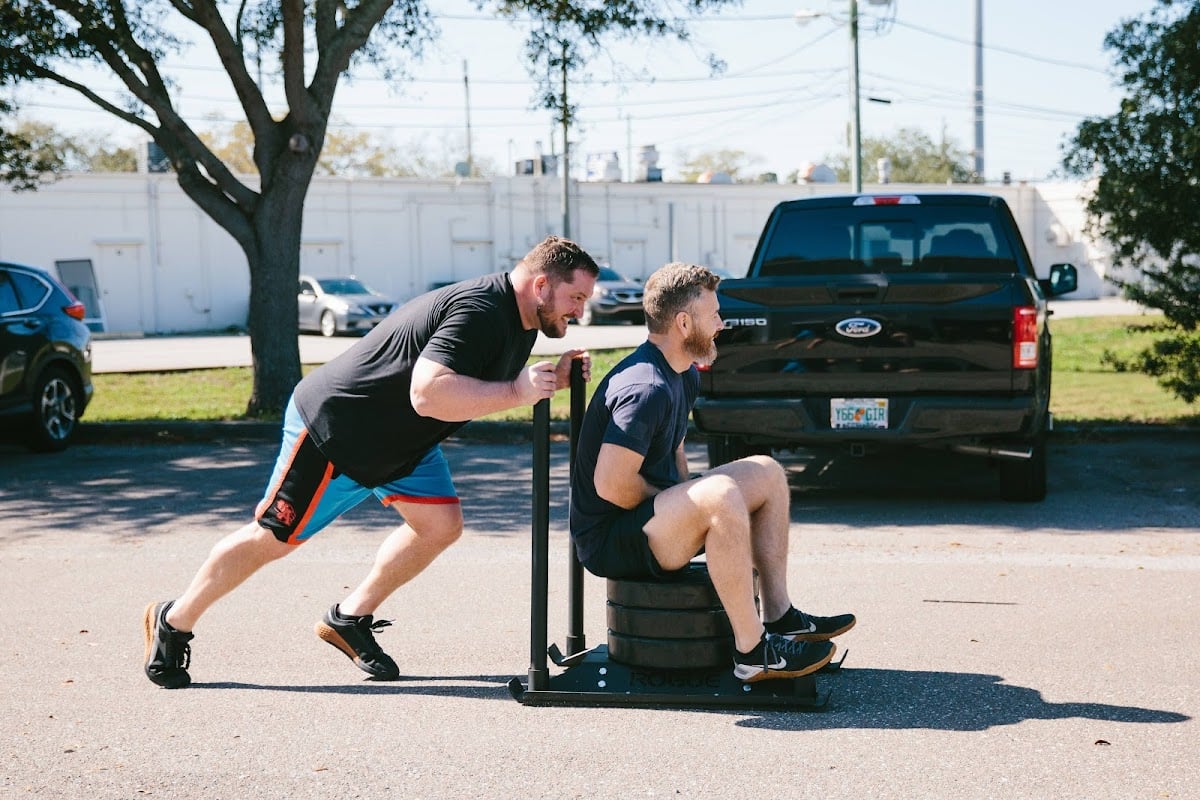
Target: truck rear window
(900, 238)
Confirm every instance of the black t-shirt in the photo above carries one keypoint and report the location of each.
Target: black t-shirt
(643, 405)
(357, 407)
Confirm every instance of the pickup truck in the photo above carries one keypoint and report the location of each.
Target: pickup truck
(871, 321)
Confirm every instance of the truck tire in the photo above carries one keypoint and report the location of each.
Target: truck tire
(671, 624)
(1025, 480)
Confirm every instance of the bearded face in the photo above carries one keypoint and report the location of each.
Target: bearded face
(700, 346)
(550, 321)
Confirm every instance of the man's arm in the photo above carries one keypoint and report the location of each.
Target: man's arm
(681, 463)
(441, 393)
(617, 478)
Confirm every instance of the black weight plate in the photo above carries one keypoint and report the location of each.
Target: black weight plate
(638, 651)
(660, 623)
(690, 588)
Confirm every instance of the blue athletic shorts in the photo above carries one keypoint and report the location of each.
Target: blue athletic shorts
(307, 492)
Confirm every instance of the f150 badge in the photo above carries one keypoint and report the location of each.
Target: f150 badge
(858, 327)
(745, 322)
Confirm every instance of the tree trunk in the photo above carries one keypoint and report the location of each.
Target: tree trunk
(274, 276)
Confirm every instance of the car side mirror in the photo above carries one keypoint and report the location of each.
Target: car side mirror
(1064, 279)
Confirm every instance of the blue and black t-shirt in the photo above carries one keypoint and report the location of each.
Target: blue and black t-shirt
(642, 405)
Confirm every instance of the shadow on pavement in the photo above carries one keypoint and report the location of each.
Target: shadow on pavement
(140, 490)
(949, 701)
(861, 698)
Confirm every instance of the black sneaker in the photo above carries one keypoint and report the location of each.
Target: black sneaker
(167, 650)
(778, 657)
(801, 627)
(355, 637)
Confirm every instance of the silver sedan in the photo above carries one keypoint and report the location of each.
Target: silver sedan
(340, 305)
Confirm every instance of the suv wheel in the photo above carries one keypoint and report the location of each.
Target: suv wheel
(55, 410)
(1024, 480)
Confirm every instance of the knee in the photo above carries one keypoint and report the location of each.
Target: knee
(771, 472)
(720, 495)
(441, 531)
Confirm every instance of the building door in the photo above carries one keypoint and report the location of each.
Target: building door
(629, 258)
(321, 259)
(471, 258)
(119, 280)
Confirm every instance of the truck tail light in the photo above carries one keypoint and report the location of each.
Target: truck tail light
(1025, 338)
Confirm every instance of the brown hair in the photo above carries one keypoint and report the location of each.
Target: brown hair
(671, 289)
(558, 258)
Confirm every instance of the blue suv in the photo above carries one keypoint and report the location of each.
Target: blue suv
(45, 359)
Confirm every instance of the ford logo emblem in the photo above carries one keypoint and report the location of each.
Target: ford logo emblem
(858, 327)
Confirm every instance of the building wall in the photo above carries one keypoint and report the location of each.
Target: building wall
(162, 266)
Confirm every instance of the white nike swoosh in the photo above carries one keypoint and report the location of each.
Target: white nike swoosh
(780, 664)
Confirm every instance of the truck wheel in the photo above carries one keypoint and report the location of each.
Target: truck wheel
(56, 407)
(723, 449)
(1025, 480)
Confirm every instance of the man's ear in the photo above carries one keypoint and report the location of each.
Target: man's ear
(683, 321)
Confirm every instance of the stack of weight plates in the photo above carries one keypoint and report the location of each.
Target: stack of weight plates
(672, 624)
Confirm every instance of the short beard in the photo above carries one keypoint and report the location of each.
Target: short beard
(549, 321)
(702, 349)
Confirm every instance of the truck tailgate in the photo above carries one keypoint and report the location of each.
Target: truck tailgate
(853, 336)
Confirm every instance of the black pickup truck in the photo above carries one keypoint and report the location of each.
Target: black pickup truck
(868, 321)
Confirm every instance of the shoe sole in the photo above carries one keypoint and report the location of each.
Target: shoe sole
(327, 633)
(149, 622)
(818, 637)
(775, 674)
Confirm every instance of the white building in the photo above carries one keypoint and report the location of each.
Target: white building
(148, 260)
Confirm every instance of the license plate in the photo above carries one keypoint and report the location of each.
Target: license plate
(858, 412)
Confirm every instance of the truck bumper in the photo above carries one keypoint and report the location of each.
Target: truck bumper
(806, 421)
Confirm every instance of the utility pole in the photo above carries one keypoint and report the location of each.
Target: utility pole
(467, 93)
(979, 90)
(855, 119)
(566, 152)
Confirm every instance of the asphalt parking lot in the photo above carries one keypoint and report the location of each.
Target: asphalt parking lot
(1003, 650)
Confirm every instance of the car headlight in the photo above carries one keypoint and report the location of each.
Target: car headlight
(602, 292)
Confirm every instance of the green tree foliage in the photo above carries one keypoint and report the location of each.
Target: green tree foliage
(303, 45)
(915, 158)
(61, 152)
(1145, 162)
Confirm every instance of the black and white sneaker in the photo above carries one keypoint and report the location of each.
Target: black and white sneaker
(355, 636)
(168, 653)
(778, 657)
(801, 627)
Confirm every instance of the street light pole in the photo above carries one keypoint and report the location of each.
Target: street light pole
(855, 132)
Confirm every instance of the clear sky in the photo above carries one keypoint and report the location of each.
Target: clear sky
(783, 99)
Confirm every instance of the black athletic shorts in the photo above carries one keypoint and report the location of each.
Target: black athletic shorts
(621, 549)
